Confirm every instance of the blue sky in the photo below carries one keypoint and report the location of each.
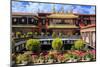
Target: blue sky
(31, 7)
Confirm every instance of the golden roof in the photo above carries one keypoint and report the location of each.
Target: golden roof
(62, 26)
(62, 15)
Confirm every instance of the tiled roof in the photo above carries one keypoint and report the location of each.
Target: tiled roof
(88, 26)
(22, 13)
(62, 15)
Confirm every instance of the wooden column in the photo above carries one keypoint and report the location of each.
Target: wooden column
(39, 24)
(46, 24)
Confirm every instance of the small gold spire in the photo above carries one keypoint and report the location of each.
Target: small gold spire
(53, 8)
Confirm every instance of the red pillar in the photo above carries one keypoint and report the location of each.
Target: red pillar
(39, 25)
(47, 24)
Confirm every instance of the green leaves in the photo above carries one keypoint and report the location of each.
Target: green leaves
(79, 44)
(33, 44)
(57, 44)
(88, 55)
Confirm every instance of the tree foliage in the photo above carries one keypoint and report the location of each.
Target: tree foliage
(33, 45)
(57, 44)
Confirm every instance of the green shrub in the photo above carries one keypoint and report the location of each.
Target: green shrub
(22, 36)
(33, 45)
(30, 33)
(18, 34)
(79, 44)
(57, 44)
(25, 57)
(54, 35)
(19, 58)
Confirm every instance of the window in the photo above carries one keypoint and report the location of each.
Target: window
(56, 21)
(15, 20)
(69, 21)
(23, 20)
(31, 20)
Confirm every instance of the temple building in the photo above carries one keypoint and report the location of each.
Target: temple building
(24, 22)
(68, 24)
(45, 22)
(64, 23)
(88, 29)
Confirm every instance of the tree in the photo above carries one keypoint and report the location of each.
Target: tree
(57, 44)
(33, 45)
(79, 44)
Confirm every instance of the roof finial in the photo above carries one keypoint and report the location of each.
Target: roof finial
(62, 9)
(53, 8)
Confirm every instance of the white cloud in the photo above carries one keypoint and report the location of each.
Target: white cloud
(92, 10)
(68, 7)
(17, 7)
(34, 7)
(78, 9)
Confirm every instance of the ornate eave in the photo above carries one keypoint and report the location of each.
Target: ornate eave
(62, 15)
